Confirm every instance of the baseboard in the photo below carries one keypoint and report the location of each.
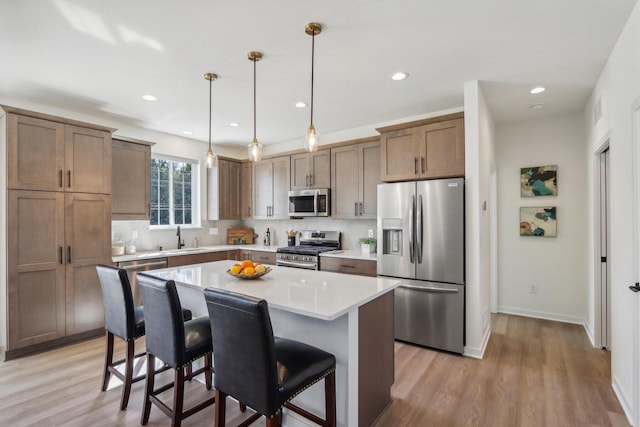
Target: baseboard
(541, 315)
(589, 332)
(622, 398)
(478, 353)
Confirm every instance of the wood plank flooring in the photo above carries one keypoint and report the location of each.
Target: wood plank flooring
(535, 373)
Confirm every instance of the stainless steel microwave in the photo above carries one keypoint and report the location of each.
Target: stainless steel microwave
(309, 202)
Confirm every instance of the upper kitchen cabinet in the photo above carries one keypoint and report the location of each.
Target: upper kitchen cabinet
(130, 179)
(245, 191)
(355, 174)
(432, 148)
(223, 182)
(311, 170)
(271, 187)
(53, 154)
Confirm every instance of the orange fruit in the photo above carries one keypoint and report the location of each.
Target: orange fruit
(247, 263)
(249, 271)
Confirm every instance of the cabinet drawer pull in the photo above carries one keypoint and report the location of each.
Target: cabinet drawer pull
(347, 266)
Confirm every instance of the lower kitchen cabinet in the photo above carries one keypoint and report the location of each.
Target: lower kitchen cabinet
(233, 255)
(175, 261)
(54, 242)
(263, 257)
(349, 266)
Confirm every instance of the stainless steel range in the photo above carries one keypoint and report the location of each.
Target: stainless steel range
(306, 254)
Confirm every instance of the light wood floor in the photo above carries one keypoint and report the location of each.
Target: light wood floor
(534, 373)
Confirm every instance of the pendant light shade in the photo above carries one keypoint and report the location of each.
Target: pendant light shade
(210, 157)
(311, 138)
(255, 148)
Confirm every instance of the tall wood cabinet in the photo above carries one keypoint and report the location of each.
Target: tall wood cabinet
(311, 170)
(355, 174)
(223, 190)
(245, 191)
(271, 187)
(432, 148)
(130, 179)
(58, 227)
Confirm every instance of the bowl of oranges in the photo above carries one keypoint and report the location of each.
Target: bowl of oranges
(248, 269)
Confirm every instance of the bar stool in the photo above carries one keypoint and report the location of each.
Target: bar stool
(125, 321)
(176, 343)
(260, 370)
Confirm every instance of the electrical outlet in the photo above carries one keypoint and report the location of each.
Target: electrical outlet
(134, 234)
(533, 289)
(370, 232)
(213, 231)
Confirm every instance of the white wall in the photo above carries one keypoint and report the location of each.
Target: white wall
(479, 158)
(557, 266)
(618, 89)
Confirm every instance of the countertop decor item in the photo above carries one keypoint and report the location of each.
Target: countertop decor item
(210, 156)
(368, 245)
(255, 148)
(312, 139)
(255, 275)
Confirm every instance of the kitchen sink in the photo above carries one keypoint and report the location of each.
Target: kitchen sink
(182, 251)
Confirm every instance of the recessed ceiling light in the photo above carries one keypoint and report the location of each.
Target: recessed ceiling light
(399, 76)
(537, 106)
(301, 104)
(234, 124)
(149, 98)
(538, 89)
(187, 132)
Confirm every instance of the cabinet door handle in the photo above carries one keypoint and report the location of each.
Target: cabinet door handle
(310, 179)
(422, 163)
(60, 255)
(415, 165)
(60, 179)
(355, 208)
(306, 180)
(360, 208)
(69, 178)
(68, 254)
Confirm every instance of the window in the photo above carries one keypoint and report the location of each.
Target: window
(172, 191)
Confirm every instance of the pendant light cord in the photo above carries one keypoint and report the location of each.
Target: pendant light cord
(313, 46)
(254, 99)
(210, 90)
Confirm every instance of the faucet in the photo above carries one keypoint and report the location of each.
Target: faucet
(180, 241)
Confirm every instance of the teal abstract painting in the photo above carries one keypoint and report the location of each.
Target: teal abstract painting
(539, 181)
(538, 221)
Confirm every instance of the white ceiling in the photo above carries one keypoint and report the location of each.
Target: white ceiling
(99, 57)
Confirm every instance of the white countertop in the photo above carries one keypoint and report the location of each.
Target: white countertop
(188, 251)
(351, 254)
(318, 294)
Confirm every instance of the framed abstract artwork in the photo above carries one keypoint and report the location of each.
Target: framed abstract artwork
(538, 221)
(539, 181)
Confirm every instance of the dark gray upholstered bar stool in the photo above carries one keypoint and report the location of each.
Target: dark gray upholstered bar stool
(176, 343)
(123, 320)
(260, 370)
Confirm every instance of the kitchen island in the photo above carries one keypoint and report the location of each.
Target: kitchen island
(349, 316)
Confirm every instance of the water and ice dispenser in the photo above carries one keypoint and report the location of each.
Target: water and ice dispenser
(392, 236)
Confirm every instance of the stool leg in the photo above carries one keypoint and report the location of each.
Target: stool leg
(128, 373)
(178, 397)
(330, 399)
(275, 421)
(108, 361)
(148, 391)
(189, 371)
(221, 409)
(208, 370)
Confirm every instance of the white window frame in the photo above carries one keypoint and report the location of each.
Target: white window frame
(195, 193)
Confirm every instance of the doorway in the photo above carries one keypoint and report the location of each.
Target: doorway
(602, 274)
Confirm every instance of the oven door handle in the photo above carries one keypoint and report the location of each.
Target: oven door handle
(296, 264)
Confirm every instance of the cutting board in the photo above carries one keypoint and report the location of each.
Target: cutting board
(234, 236)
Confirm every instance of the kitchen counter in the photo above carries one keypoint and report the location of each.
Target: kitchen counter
(350, 254)
(187, 251)
(346, 315)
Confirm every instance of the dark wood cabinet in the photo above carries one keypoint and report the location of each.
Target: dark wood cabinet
(187, 259)
(311, 170)
(349, 266)
(130, 179)
(271, 188)
(245, 191)
(263, 257)
(223, 192)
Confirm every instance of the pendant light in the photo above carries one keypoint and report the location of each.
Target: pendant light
(255, 148)
(311, 138)
(210, 156)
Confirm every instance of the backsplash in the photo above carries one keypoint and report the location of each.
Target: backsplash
(351, 231)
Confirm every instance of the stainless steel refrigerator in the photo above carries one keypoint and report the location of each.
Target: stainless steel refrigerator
(421, 241)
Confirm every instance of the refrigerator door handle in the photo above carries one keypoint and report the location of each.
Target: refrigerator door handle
(411, 237)
(429, 289)
(419, 231)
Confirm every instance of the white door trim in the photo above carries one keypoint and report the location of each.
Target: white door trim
(493, 242)
(597, 274)
(635, 113)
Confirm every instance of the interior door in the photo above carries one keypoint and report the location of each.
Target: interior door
(440, 230)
